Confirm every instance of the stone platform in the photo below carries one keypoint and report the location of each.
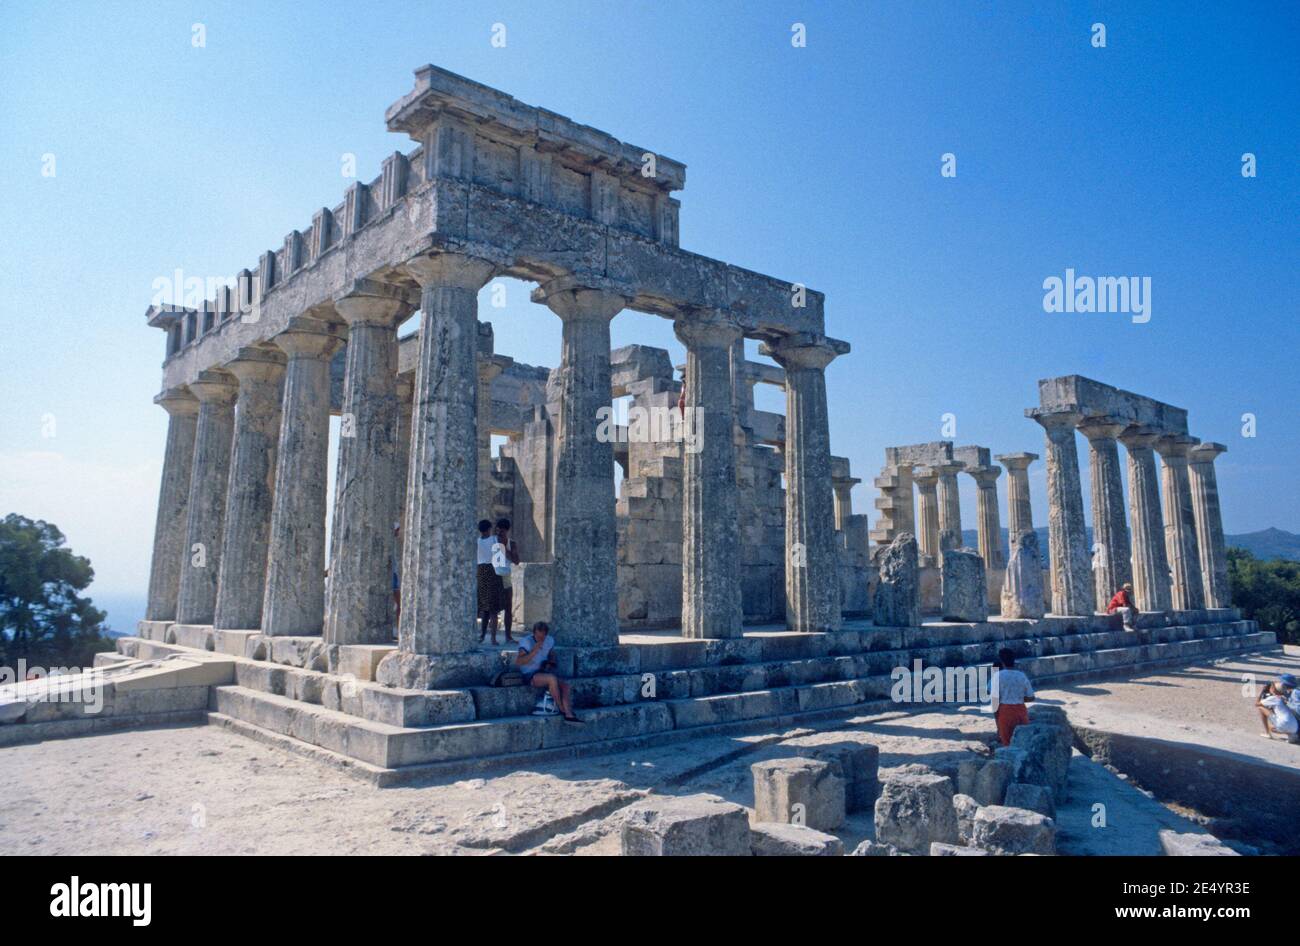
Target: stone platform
(654, 688)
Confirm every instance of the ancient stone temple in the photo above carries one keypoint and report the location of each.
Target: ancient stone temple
(698, 558)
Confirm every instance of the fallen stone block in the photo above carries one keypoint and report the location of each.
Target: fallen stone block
(1176, 844)
(875, 849)
(686, 826)
(992, 780)
(858, 763)
(939, 849)
(1031, 797)
(914, 810)
(1003, 830)
(965, 806)
(1013, 757)
(792, 840)
(1047, 762)
(798, 791)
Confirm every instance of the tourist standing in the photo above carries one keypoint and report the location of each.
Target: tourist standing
(488, 581)
(504, 556)
(1011, 691)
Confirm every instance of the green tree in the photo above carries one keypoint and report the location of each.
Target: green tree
(1267, 592)
(43, 619)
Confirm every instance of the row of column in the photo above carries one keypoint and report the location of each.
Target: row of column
(239, 541)
(1170, 546)
(939, 522)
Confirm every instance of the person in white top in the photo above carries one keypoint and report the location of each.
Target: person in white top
(1011, 691)
(1275, 711)
(488, 582)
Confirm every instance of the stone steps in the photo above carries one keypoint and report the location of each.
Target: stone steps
(474, 740)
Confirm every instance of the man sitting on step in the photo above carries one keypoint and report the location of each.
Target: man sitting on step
(1123, 603)
(538, 671)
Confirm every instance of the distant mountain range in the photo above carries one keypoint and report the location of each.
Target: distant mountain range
(1264, 544)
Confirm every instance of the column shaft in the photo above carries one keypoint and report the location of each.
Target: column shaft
(206, 510)
(1111, 550)
(1150, 566)
(1186, 588)
(1020, 515)
(173, 503)
(294, 603)
(927, 514)
(1209, 525)
(949, 504)
(711, 605)
(1071, 577)
(249, 500)
(988, 519)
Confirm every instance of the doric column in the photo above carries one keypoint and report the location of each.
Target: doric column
(1067, 532)
(359, 607)
(294, 603)
(927, 518)
(1150, 566)
(1112, 553)
(206, 510)
(1186, 589)
(169, 550)
(402, 465)
(710, 528)
(949, 503)
(487, 370)
(1209, 524)
(812, 579)
(1020, 514)
(252, 489)
(585, 592)
(988, 520)
(437, 635)
(843, 488)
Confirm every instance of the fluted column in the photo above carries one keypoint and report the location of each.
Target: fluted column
(169, 550)
(252, 489)
(487, 370)
(585, 592)
(359, 606)
(988, 519)
(1067, 532)
(843, 488)
(812, 579)
(294, 603)
(205, 515)
(927, 514)
(1186, 588)
(949, 503)
(437, 634)
(1150, 566)
(711, 605)
(402, 465)
(1020, 514)
(1209, 524)
(1112, 553)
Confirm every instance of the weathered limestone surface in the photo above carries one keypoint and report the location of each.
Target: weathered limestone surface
(1020, 515)
(964, 586)
(1186, 589)
(988, 519)
(949, 502)
(1002, 830)
(769, 839)
(965, 806)
(1030, 797)
(206, 509)
(365, 487)
(1072, 591)
(436, 633)
(1111, 552)
(811, 568)
(914, 810)
(800, 791)
(169, 532)
(585, 546)
(294, 603)
(1022, 589)
(1150, 565)
(897, 600)
(858, 763)
(251, 493)
(927, 481)
(686, 826)
(1209, 524)
(1048, 750)
(711, 605)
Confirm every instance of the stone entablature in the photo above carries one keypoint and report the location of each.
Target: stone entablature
(1074, 393)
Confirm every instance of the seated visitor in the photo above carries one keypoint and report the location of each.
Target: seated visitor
(1123, 603)
(1011, 691)
(1275, 708)
(537, 670)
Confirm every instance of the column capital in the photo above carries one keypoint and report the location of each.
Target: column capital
(307, 337)
(1101, 428)
(1139, 438)
(1056, 423)
(925, 477)
(256, 364)
(177, 401)
(215, 386)
(1206, 452)
(582, 298)
(947, 469)
(985, 475)
(706, 328)
(446, 270)
(804, 350)
(1175, 446)
(372, 302)
(1016, 461)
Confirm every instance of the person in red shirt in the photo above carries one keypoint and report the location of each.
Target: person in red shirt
(1123, 603)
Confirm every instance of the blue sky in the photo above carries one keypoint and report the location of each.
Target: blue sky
(819, 165)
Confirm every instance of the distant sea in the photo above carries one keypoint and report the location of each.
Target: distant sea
(124, 611)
